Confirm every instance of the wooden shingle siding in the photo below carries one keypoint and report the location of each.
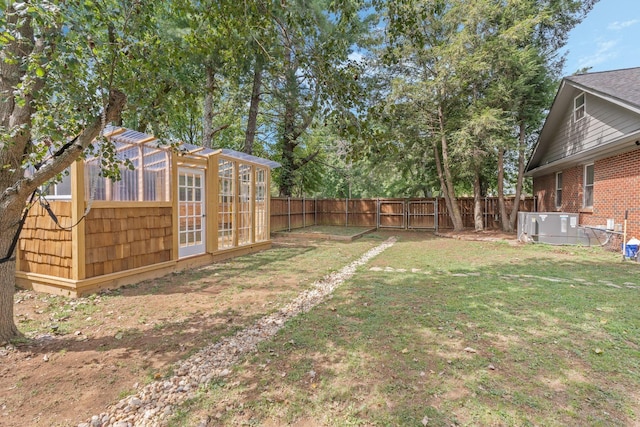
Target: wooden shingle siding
(44, 247)
(127, 238)
(604, 122)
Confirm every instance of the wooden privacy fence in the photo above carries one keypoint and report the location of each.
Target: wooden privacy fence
(426, 213)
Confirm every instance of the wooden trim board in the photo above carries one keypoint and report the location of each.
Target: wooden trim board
(103, 204)
(77, 288)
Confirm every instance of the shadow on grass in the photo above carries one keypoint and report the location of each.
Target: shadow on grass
(530, 341)
(166, 336)
(198, 279)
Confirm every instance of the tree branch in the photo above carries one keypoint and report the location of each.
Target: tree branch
(309, 158)
(69, 153)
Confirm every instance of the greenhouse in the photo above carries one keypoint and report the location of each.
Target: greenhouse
(174, 207)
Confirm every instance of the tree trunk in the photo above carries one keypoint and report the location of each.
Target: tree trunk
(286, 175)
(287, 172)
(513, 218)
(252, 120)
(8, 329)
(207, 121)
(14, 199)
(443, 184)
(16, 119)
(504, 220)
(477, 202)
(289, 134)
(446, 180)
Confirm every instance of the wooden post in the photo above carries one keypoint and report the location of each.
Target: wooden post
(168, 176)
(211, 206)
(236, 203)
(173, 182)
(78, 236)
(267, 197)
(252, 203)
(624, 236)
(140, 177)
(346, 212)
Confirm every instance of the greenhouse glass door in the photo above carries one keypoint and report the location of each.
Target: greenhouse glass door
(191, 232)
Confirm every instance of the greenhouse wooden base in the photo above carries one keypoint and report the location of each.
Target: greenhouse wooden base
(78, 288)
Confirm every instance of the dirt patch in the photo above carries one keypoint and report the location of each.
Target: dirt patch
(83, 354)
(63, 376)
(482, 236)
(347, 234)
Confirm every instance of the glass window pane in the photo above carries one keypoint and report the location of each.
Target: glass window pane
(588, 196)
(63, 188)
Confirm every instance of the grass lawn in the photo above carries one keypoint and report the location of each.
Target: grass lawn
(326, 230)
(449, 332)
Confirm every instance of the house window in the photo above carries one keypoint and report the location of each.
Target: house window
(588, 186)
(559, 190)
(578, 107)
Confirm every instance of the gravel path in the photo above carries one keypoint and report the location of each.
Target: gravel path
(154, 403)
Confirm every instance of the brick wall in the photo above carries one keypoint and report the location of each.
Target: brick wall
(544, 190)
(616, 189)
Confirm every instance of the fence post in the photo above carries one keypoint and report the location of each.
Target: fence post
(346, 212)
(315, 211)
(377, 213)
(304, 214)
(289, 213)
(437, 214)
(484, 216)
(405, 214)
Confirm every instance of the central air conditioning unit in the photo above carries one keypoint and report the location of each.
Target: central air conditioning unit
(555, 228)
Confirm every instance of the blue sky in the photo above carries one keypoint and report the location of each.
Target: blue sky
(607, 39)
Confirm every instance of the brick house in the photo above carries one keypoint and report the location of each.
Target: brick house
(587, 158)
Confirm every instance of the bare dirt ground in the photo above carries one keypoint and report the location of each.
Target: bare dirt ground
(486, 235)
(80, 355)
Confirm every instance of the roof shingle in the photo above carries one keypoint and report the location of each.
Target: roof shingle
(621, 84)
